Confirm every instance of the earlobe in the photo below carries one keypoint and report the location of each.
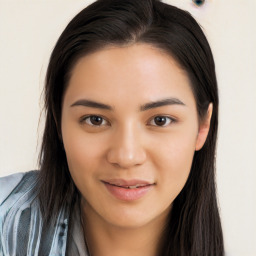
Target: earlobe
(204, 128)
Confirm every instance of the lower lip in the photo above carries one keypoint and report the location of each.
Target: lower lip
(128, 194)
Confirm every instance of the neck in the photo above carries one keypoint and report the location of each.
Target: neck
(104, 239)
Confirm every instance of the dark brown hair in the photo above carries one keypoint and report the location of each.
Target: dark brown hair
(193, 227)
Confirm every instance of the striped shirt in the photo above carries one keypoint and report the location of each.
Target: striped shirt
(21, 229)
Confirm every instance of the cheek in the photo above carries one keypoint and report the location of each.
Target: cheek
(83, 152)
(84, 159)
(174, 160)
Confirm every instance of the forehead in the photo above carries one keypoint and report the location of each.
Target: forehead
(129, 74)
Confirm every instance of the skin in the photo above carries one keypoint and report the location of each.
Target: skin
(129, 144)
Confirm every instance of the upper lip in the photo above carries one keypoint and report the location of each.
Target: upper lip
(122, 183)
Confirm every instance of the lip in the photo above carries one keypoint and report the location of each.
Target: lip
(121, 182)
(120, 189)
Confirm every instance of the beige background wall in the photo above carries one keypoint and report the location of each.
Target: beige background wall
(28, 31)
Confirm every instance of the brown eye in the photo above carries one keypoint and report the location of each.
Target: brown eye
(161, 121)
(95, 120)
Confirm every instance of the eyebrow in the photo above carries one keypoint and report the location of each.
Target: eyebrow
(92, 104)
(147, 106)
(161, 103)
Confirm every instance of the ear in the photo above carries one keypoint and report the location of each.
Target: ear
(204, 127)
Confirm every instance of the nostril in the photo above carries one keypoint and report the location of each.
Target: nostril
(126, 157)
(198, 2)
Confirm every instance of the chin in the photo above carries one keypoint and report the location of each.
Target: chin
(128, 218)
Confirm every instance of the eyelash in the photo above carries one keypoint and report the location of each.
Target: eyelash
(85, 118)
(171, 120)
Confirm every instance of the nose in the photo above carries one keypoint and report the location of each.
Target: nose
(126, 149)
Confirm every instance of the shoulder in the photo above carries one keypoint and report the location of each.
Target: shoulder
(17, 191)
(21, 225)
(17, 200)
(16, 184)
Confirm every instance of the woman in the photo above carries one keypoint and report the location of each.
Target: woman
(128, 154)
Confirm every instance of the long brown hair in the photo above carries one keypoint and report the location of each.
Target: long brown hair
(193, 227)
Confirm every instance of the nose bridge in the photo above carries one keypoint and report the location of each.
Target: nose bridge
(126, 149)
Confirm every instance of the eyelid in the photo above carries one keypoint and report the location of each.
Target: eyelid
(172, 120)
(82, 120)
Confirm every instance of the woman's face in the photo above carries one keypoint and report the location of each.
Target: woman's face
(130, 130)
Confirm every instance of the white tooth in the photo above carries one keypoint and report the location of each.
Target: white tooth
(135, 186)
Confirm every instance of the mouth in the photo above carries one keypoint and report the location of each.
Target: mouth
(128, 190)
(131, 186)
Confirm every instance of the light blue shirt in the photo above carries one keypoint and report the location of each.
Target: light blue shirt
(21, 229)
